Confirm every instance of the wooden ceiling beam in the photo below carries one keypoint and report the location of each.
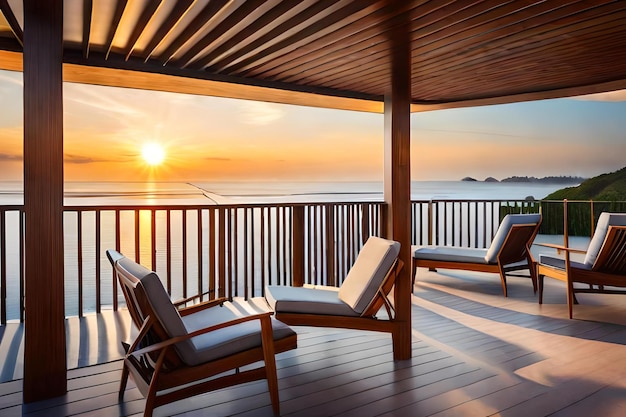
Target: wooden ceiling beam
(278, 32)
(120, 6)
(340, 42)
(246, 13)
(6, 10)
(181, 8)
(147, 14)
(342, 17)
(212, 9)
(87, 14)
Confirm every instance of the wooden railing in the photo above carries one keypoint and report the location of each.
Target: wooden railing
(235, 250)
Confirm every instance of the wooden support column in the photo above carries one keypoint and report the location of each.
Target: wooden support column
(398, 179)
(45, 370)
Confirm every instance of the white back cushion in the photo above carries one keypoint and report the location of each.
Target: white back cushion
(508, 221)
(604, 221)
(367, 274)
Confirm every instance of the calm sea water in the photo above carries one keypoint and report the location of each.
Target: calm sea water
(197, 193)
(127, 193)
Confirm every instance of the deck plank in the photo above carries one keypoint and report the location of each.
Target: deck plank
(474, 353)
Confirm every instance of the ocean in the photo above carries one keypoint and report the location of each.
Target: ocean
(203, 193)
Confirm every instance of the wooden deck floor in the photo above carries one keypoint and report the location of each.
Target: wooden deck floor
(475, 353)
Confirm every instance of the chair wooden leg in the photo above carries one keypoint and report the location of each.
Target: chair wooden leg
(532, 268)
(540, 285)
(414, 273)
(503, 280)
(570, 298)
(123, 381)
(270, 363)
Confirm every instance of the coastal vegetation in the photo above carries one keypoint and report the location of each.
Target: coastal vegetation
(605, 187)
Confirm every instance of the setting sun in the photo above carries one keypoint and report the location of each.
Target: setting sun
(153, 153)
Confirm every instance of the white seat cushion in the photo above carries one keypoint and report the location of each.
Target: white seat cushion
(283, 299)
(450, 254)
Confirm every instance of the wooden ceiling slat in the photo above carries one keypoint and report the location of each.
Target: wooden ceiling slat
(427, 15)
(278, 32)
(205, 15)
(350, 13)
(87, 15)
(5, 8)
(341, 42)
(147, 14)
(511, 28)
(176, 14)
(243, 15)
(120, 6)
(516, 46)
(281, 11)
(562, 69)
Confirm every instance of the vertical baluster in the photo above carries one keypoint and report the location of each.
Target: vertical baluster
(271, 258)
(199, 250)
(168, 244)
(3, 271)
(137, 237)
(117, 248)
(329, 228)
(235, 250)
(79, 258)
(153, 239)
(98, 266)
(245, 252)
(221, 272)
(262, 246)
(297, 235)
(184, 226)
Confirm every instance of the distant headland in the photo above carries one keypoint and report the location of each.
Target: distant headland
(547, 180)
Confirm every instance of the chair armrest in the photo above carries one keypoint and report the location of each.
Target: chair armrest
(561, 248)
(184, 311)
(183, 301)
(263, 317)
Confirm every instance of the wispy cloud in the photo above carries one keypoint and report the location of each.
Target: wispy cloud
(79, 159)
(217, 158)
(9, 157)
(619, 95)
(260, 113)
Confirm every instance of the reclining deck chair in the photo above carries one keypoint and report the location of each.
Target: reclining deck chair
(353, 305)
(509, 251)
(604, 264)
(179, 353)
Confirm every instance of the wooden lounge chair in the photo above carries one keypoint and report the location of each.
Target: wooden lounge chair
(604, 264)
(509, 251)
(355, 304)
(179, 353)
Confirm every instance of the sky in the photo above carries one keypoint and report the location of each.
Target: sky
(218, 139)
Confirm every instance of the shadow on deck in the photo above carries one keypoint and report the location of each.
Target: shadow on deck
(474, 353)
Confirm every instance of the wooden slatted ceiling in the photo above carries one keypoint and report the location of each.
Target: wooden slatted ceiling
(463, 53)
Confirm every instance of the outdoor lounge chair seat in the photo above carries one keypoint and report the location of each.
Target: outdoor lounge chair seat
(354, 304)
(603, 268)
(509, 251)
(183, 352)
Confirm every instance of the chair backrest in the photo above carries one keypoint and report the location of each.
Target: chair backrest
(612, 255)
(146, 296)
(375, 260)
(602, 227)
(503, 235)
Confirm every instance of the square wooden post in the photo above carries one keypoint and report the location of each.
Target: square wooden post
(45, 370)
(397, 189)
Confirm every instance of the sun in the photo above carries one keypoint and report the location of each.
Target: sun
(153, 153)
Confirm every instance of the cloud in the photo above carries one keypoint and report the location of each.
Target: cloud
(9, 157)
(10, 77)
(618, 95)
(217, 158)
(78, 159)
(260, 113)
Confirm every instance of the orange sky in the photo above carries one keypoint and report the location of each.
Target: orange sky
(215, 139)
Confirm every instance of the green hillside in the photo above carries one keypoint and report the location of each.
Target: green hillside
(605, 187)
